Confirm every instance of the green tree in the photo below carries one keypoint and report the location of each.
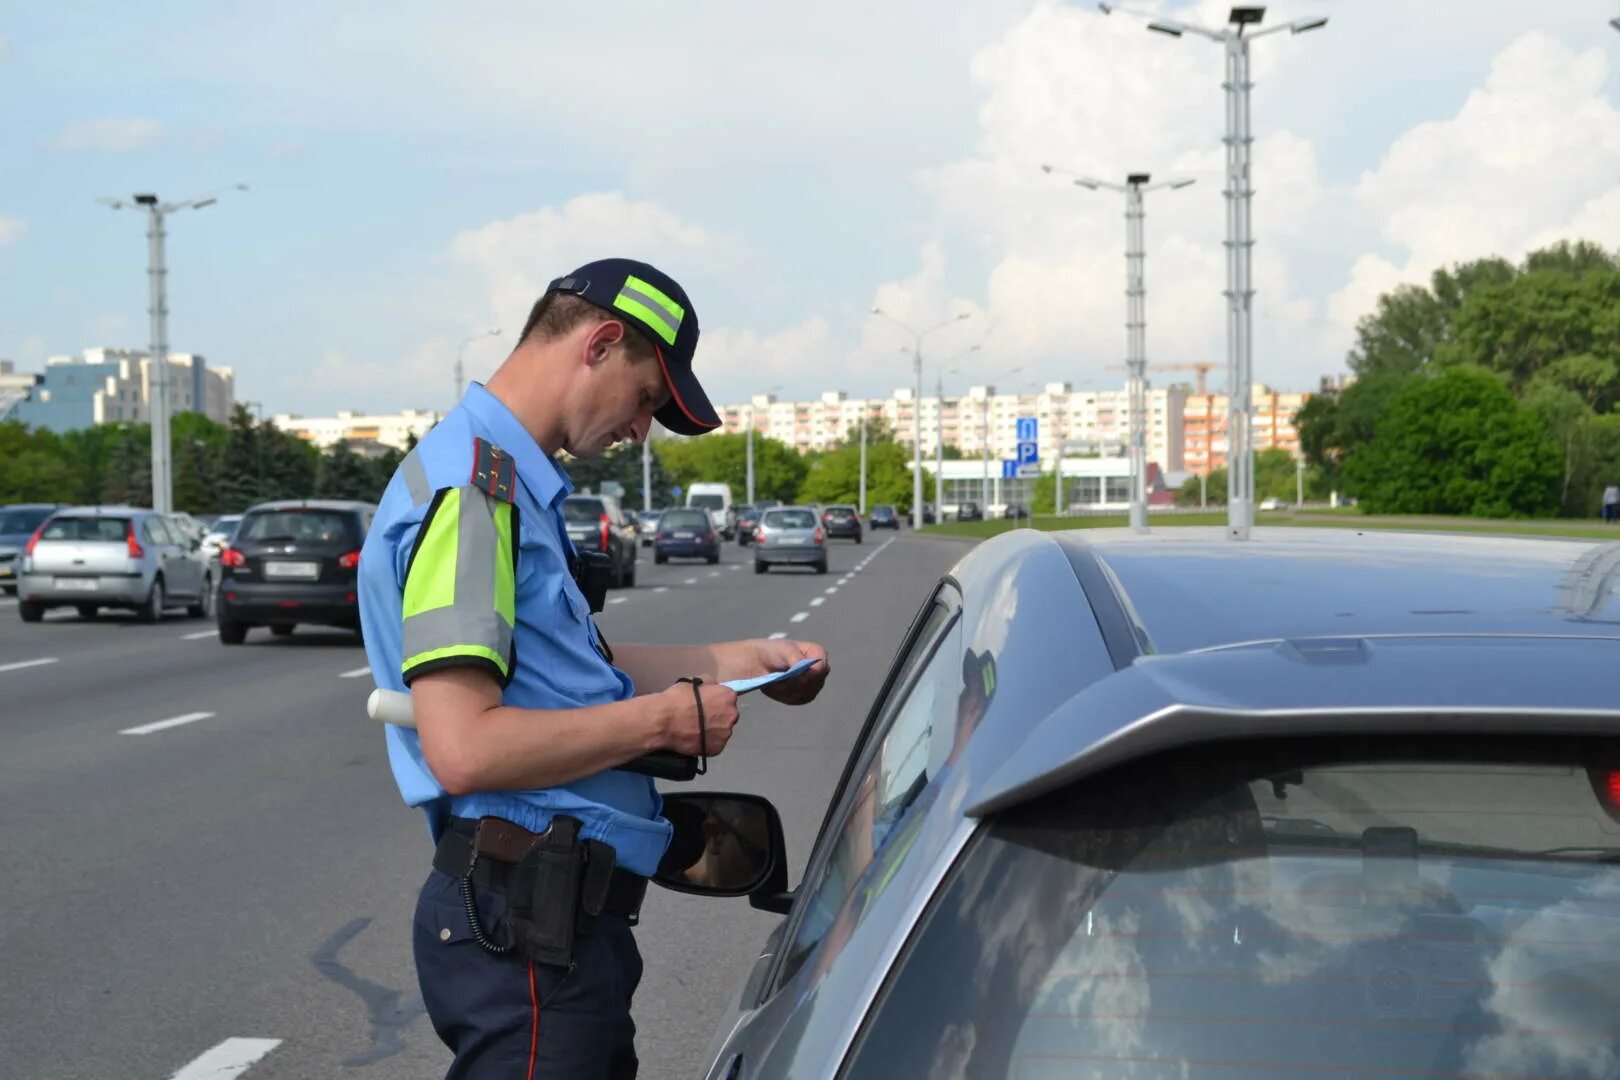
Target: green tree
(340, 473)
(778, 471)
(1458, 443)
(1191, 494)
(836, 477)
(622, 465)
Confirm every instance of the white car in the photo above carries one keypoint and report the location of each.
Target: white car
(1273, 504)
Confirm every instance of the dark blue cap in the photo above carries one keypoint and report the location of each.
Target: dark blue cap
(650, 301)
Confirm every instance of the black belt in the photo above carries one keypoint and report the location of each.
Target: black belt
(493, 869)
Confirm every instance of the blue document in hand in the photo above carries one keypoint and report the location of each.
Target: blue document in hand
(742, 686)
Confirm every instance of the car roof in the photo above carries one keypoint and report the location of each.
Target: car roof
(1181, 635)
(96, 511)
(310, 504)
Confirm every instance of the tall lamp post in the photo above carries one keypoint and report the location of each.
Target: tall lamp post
(1136, 185)
(1234, 40)
(158, 309)
(750, 444)
(939, 429)
(461, 381)
(916, 406)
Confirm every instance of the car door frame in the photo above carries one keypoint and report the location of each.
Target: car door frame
(155, 531)
(190, 554)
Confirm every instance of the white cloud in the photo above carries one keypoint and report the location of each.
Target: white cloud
(112, 133)
(10, 229)
(1531, 157)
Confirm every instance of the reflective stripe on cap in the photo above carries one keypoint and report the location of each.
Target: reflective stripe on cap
(651, 307)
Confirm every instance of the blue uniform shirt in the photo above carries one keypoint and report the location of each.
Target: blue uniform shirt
(554, 662)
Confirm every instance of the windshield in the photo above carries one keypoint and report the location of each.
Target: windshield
(707, 502)
(1280, 914)
(13, 522)
(87, 528)
(582, 511)
(684, 519)
(294, 526)
(789, 519)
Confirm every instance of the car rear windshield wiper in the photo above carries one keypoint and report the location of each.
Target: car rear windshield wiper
(277, 539)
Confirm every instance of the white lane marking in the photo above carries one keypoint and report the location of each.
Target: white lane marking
(736, 566)
(818, 601)
(356, 673)
(160, 725)
(19, 665)
(846, 579)
(714, 573)
(690, 581)
(799, 616)
(779, 634)
(228, 1060)
(832, 590)
(662, 588)
(7, 601)
(618, 599)
(199, 635)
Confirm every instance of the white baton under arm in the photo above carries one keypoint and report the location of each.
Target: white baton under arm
(391, 707)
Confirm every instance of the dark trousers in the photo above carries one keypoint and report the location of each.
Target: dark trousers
(506, 1018)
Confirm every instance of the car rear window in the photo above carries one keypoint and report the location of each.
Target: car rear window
(789, 519)
(583, 511)
(707, 502)
(684, 519)
(1287, 909)
(21, 521)
(87, 529)
(291, 526)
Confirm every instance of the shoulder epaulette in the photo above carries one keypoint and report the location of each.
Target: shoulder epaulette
(494, 472)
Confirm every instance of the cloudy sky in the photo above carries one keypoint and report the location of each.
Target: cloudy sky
(418, 170)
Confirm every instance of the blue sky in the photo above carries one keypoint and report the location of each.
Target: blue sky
(418, 171)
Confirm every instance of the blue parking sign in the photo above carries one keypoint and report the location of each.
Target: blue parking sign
(1028, 429)
(1029, 453)
(1009, 470)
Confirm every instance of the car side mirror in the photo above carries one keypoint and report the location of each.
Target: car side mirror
(726, 845)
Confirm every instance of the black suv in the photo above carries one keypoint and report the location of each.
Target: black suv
(293, 562)
(842, 522)
(599, 523)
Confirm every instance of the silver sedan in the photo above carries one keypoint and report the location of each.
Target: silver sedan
(114, 556)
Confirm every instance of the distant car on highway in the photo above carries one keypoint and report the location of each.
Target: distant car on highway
(790, 535)
(219, 534)
(293, 563)
(18, 522)
(715, 499)
(94, 557)
(842, 522)
(686, 533)
(1014, 511)
(647, 526)
(598, 523)
(884, 517)
(969, 511)
(1273, 504)
(1365, 780)
(747, 522)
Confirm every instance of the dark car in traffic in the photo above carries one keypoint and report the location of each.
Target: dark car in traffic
(842, 523)
(598, 523)
(1176, 805)
(292, 563)
(884, 517)
(969, 511)
(747, 522)
(686, 533)
(18, 522)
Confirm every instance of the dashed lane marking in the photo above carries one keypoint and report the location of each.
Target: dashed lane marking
(779, 634)
(818, 601)
(162, 725)
(199, 635)
(690, 581)
(799, 616)
(832, 589)
(714, 573)
(20, 664)
(356, 673)
(662, 588)
(736, 566)
(618, 599)
(228, 1060)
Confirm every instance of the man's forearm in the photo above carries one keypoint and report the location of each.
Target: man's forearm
(656, 667)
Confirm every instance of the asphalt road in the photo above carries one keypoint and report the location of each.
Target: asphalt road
(247, 872)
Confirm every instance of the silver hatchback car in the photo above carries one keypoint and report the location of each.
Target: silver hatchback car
(790, 534)
(114, 556)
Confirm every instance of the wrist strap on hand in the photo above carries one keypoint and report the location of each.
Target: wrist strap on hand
(703, 723)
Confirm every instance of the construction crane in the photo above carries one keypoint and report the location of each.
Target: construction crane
(1203, 369)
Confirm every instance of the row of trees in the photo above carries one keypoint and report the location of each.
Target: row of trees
(1490, 392)
(218, 468)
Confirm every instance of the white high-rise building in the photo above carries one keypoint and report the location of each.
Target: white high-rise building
(385, 429)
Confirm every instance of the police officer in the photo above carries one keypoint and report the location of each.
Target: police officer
(531, 730)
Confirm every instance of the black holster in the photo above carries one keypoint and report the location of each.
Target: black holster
(559, 885)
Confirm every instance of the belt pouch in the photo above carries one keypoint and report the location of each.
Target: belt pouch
(545, 894)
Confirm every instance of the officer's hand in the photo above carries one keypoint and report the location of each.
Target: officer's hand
(779, 654)
(681, 722)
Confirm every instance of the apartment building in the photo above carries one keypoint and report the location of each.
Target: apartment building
(106, 386)
(359, 429)
(1205, 425)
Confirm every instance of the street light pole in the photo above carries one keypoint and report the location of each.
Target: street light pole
(863, 457)
(750, 444)
(1136, 185)
(461, 382)
(646, 473)
(1239, 194)
(916, 408)
(158, 308)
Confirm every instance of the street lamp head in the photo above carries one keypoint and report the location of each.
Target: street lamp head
(1165, 28)
(1300, 26)
(964, 315)
(200, 203)
(1089, 185)
(1178, 184)
(1046, 169)
(1247, 15)
(877, 311)
(1106, 9)
(146, 200)
(1138, 178)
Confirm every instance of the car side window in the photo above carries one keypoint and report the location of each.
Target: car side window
(153, 530)
(911, 739)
